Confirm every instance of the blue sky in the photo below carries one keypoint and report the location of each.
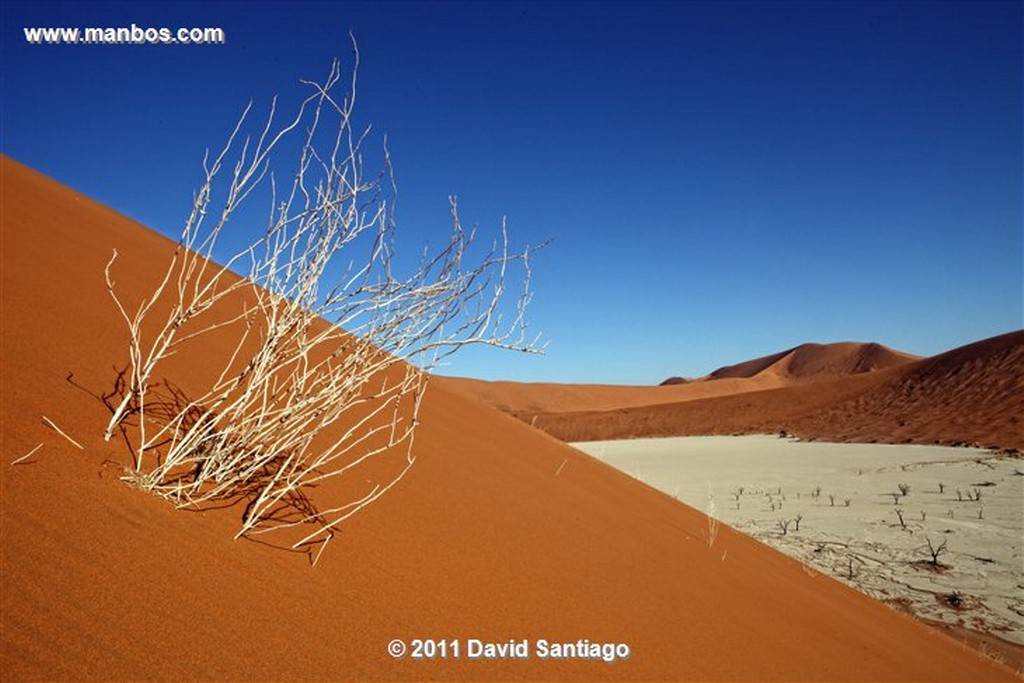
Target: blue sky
(722, 180)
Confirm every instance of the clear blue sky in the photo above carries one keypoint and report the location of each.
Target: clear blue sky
(722, 180)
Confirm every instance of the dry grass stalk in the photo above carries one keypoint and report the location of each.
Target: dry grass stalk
(27, 455)
(60, 431)
(561, 467)
(712, 531)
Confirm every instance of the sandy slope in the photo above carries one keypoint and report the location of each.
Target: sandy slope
(498, 532)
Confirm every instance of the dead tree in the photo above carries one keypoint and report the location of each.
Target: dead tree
(935, 551)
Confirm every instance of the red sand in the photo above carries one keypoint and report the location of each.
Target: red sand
(816, 361)
(808, 362)
(482, 539)
(838, 392)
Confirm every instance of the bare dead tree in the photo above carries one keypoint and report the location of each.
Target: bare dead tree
(935, 551)
(784, 526)
(797, 520)
(330, 346)
(904, 488)
(899, 513)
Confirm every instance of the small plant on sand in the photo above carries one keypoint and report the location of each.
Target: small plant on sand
(326, 342)
(783, 526)
(904, 488)
(796, 522)
(711, 535)
(954, 599)
(846, 502)
(942, 487)
(831, 500)
(896, 498)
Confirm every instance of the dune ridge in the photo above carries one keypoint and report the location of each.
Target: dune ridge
(973, 394)
(818, 361)
(802, 364)
(498, 532)
(844, 391)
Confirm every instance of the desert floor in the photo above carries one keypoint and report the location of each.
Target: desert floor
(843, 495)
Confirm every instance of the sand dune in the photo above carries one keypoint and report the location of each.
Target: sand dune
(527, 399)
(499, 532)
(806, 363)
(842, 391)
(974, 394)
(818, 361)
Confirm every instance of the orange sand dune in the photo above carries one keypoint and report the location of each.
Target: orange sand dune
(974, 394)
(809, 362)
(818, 361)
(498, 532)
(527, 399)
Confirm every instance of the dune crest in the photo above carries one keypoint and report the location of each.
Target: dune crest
(819, 361)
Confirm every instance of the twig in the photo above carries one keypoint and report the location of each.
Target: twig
(61, 432)
(323, 545)
(27, 455)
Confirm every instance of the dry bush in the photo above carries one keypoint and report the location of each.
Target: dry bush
(711, 534)
(329, 345)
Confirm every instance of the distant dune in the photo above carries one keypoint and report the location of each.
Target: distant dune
(499, 532)
(806, 363)
(843, 392)
(818, 361)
